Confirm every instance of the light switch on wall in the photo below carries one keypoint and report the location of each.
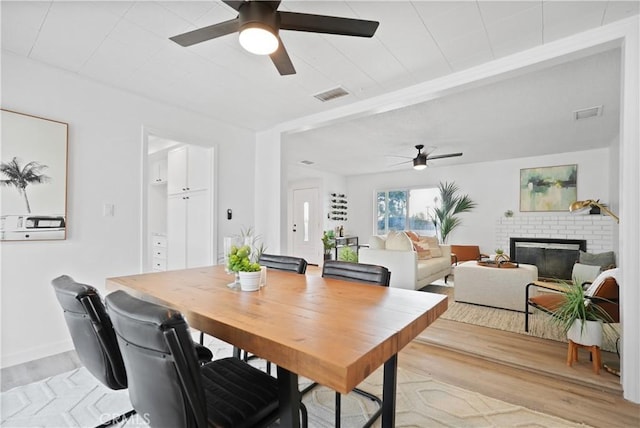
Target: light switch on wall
(108, 210)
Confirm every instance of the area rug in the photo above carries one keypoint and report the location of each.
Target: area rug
(76, 399)
(540, 324)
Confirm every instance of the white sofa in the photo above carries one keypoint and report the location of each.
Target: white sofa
(407, 271)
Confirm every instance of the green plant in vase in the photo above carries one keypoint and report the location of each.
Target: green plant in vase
(240, 260)
(247, 271)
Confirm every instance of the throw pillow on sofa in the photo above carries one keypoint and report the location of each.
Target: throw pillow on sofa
(376, 242)
(398, 241)
(412, 235)
(432, 243)
(424, 253)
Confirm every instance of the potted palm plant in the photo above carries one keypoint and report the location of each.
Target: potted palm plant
(445, 217)
(579, 317)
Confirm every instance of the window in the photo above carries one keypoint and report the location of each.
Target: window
(406, 210)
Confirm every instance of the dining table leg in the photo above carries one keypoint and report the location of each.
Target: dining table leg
(389, 384)
(289, 396)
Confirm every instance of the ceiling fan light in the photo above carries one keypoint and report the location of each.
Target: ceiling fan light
(420, 163)
(258, 39)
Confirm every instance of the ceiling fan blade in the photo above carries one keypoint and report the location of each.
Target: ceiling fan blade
(281, 60)
(327, 24)
(398, 156)
(401, 163)
(450, 155)
(207, 33)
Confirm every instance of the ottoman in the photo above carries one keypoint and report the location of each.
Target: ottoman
(489, 286)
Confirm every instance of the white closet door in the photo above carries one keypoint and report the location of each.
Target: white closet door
(176, 236)
(198, 230)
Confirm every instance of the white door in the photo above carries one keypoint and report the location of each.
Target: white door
(306, 225)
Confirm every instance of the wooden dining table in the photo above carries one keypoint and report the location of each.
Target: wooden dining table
(333, 332)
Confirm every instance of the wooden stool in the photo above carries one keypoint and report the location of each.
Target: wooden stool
(572, 354)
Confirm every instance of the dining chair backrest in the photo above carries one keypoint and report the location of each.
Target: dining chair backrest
(286, 263)
(91, 331)
(165, 383)
(356, 272)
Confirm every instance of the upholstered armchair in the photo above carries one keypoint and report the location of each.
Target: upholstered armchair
(463, 253)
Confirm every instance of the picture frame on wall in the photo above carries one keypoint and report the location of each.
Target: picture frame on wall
(551, 188)
(33, 178)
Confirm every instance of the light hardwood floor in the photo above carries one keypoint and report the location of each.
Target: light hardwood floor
(521, 370)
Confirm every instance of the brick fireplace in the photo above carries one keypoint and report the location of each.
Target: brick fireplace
(595, 230)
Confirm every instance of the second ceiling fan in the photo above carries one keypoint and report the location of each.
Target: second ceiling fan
(259, 23)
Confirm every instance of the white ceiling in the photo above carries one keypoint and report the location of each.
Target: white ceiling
(125, 45)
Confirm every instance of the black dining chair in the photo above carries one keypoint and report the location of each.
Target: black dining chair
(363, 273)
(93, 336)
(169, 387)
(285, 263)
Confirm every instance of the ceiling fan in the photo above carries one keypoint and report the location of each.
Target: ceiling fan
(259, 22)
(420, 161)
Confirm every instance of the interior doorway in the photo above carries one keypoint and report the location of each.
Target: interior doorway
(305, 226)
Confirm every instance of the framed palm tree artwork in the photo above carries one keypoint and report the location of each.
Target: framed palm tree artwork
(33, 178)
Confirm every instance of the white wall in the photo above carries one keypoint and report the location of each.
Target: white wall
(494, 186)
(105, 158)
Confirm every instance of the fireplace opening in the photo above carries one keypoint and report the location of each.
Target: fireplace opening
(553, 257)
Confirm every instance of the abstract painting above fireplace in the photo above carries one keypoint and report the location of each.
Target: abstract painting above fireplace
(551, 188)
(553, 257)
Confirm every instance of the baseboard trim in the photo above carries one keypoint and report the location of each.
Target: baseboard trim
(35, 353)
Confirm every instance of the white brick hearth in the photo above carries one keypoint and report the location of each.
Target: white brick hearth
(596, 229)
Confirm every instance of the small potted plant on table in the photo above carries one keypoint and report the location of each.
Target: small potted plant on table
(248, 271)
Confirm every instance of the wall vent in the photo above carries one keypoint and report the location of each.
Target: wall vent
(586, 113)
(307, 162)
(331, 94)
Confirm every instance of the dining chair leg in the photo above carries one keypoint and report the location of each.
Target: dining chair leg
(338, 410)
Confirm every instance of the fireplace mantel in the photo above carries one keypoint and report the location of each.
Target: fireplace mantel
(597, 230)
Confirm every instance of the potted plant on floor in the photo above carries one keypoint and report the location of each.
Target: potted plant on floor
(328, 243)
(445, 217)
(580, 317)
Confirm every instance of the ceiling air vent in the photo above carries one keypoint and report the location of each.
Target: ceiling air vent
(587, 112)
(307, 162)
(332, 94)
